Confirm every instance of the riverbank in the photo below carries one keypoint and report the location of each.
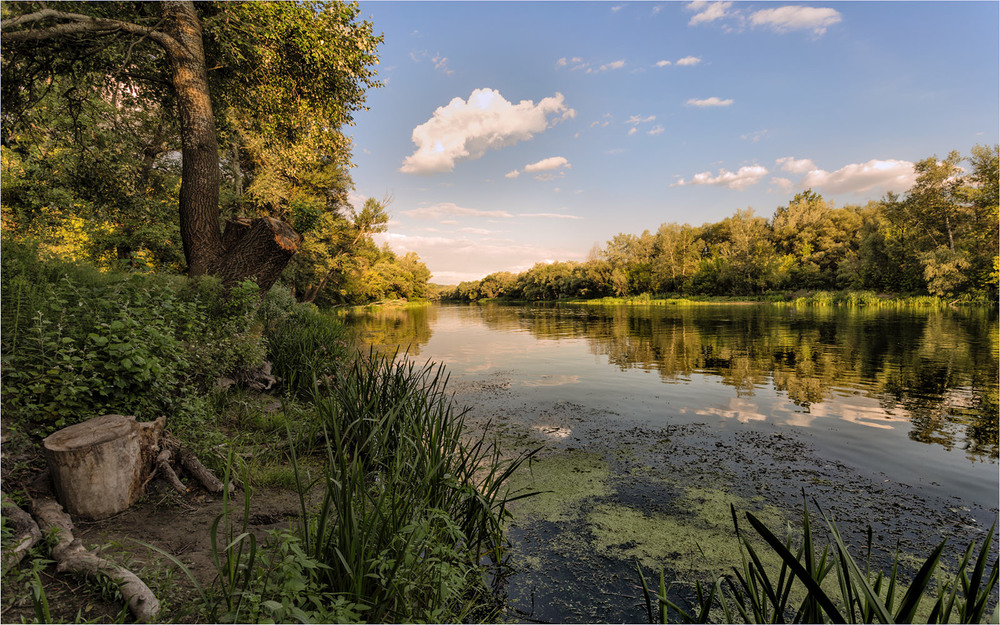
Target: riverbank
(851, 299)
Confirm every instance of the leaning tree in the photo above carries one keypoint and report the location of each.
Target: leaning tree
(290, 71)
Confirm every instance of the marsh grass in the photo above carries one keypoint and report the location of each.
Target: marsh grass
(829, 586)
(411, 506)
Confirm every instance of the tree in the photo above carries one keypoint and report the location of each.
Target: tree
(164, 43)
(335, 240)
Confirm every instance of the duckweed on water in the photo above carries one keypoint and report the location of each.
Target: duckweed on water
(698, 537)
(565, 480)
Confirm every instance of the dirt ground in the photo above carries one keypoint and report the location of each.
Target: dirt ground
(178, 524)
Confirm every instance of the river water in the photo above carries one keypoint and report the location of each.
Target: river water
(652, 420)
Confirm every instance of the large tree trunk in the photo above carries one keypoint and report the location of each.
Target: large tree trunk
(239, 257)
(200, 177)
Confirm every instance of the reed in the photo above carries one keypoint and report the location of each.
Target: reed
(410, 504)
(829, 586)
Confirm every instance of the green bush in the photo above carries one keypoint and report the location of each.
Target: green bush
(304, 345)
(79, 342)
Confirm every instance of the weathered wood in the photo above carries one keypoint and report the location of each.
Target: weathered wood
(71, 556)
(167, 472)
(24, 529)
(194, 466)
(96, 465)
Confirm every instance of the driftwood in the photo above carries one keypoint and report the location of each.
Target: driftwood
(25, 530)
(71, 556)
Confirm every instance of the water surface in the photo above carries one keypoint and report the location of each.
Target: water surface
(654, 419)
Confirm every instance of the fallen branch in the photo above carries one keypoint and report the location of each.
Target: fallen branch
(71, 556)
(194, 466)
(167, 472)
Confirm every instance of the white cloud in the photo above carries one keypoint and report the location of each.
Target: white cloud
(708, 11)
(635, 119)
(754, 137)
(796, 166)
(450, 209)
(632, 131)
(562, 62)
(662, 63)
(713, 101)
(441, 63)
(739, 180)
(783, 184)
(617, 8)
(657, 129)
(613, 65)
(550, 215)
(467, 129)
(889, 175)
(512, 174)
(788, 18)
(689, 60)
(547, 164)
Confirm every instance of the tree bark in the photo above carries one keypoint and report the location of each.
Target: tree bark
(200, 176)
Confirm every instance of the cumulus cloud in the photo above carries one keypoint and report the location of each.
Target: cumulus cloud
(788, 18)
(707, 102)
(466, 129)
(689, 60)
(796, 166)
(662, 63)
(708, 11)
(632, 131)
(512, 174)
(888, 175)
(738, 180)
(547, 164)
(613, 65)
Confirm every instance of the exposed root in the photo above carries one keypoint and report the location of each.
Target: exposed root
(71, 556)
(25, 529)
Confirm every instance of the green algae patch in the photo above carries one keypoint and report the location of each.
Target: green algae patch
(698, 537)
(565, 480)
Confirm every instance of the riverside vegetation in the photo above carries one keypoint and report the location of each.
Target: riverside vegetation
(402, 511)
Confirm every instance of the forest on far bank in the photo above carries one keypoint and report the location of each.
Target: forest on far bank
(939, 238)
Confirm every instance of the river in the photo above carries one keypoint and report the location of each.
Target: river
(652, 420)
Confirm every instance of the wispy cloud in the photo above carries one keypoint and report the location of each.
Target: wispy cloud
(445, 210)
(466, 129)
(576, 63)
(709, 102)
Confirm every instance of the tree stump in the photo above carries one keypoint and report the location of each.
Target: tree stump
(99, 466)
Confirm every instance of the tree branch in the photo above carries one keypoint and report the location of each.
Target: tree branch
(78, 23)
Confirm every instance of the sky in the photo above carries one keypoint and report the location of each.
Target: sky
(513, 133)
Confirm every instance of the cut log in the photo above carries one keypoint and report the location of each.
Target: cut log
(71, 556)
(99, 466)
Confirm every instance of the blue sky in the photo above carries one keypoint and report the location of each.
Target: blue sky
(511, 133)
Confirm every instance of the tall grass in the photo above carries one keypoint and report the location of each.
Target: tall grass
(829, 586)
(410, 506)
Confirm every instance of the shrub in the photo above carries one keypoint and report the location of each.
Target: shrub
(78, 342)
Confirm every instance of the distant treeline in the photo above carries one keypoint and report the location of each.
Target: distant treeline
(939, 238)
